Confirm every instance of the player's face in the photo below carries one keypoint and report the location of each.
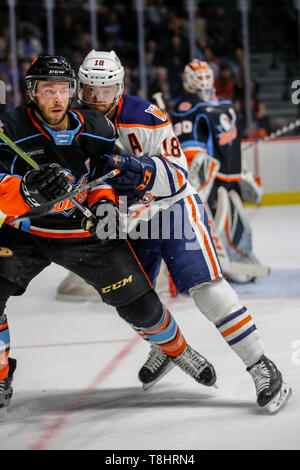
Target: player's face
(52, 99)
(100, 98)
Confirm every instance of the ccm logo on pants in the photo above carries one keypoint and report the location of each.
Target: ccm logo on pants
(117, 285)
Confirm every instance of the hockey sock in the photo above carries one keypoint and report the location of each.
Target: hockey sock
(154, 323)
(4, 347)
(165, 334)
(220, 304)
(240, 332)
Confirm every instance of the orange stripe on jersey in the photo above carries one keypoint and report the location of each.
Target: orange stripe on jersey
(36, 124)
(204, 237)
(98, 194)
(120, 104)
(79, 115)
(44, 233)
(221, 176)
(11, 201)
(180, 178)
(144, 125)
(236, 327)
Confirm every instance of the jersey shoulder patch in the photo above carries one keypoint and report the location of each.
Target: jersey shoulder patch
(155, 111)
(136, 110)
(184, 106)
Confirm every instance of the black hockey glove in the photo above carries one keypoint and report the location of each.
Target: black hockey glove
(42, 185)
(107, 224)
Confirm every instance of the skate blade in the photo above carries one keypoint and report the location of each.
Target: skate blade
(149, 385)
(280, 400)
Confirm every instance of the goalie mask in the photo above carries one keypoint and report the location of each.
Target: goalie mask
(198, 78)
(100, 79)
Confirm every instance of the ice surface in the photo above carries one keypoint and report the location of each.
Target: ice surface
(76, 384)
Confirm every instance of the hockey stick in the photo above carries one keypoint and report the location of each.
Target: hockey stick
(45, 208)
(85, 211)
(281, 131)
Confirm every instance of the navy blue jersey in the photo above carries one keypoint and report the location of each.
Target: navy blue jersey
(79, 150)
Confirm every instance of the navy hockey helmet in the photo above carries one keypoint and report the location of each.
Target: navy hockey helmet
(50, 68)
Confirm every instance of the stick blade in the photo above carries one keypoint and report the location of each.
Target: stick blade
(255, 270)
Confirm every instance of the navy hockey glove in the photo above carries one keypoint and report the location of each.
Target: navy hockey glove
(137, 174)
(44, 184)
(107, 222)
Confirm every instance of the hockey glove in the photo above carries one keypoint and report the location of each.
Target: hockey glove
(137, 175)
(107, 223)
(42, 185)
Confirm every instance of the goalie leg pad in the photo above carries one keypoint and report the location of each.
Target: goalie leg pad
(220, 304)
(154, 323)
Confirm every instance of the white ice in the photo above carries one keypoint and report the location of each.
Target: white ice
(76, 384)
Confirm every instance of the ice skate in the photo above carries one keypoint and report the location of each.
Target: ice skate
(272, 392)
(75, 289)
(195, 365)
(157, 365)
(6, 390)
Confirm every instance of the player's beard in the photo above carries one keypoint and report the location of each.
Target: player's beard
(51, 119)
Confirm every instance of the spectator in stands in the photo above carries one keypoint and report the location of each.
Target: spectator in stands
(29, 46)
(209, 57)
(261, 119)
(223, 83)
(4, 44)
(161, 83)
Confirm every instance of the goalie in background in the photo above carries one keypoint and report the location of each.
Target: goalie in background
(207, 128)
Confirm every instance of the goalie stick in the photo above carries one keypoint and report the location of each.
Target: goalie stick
(45, 208)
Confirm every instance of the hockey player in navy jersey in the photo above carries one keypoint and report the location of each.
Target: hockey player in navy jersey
(154, 178)
(208, 129)
(68, 147)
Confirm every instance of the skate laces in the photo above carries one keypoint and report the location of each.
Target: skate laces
(261, 376)
(156, 358)
(191, 361)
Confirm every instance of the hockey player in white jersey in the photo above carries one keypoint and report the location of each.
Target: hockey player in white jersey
(154, 178)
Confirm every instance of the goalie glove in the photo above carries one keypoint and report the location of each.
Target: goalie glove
(44, 184)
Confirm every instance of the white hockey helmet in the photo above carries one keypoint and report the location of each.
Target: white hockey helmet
(198, 77)
(101, 69)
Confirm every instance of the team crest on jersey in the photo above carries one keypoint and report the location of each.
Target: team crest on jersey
(1, 126)
(227, 127)
(184, 106)
(153, 109)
